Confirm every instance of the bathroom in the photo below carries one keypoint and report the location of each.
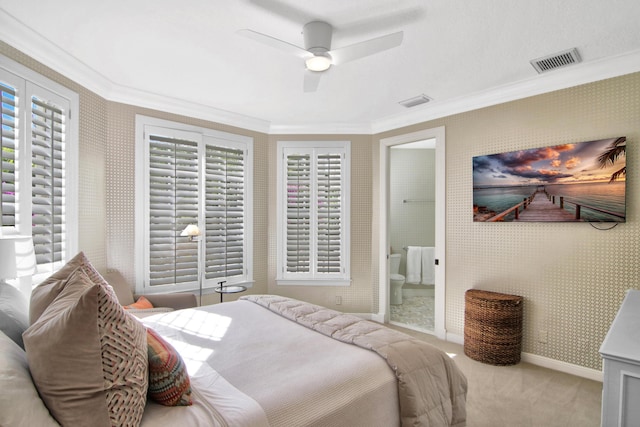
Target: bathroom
(412, 227)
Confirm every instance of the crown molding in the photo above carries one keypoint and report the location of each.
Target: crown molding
(321, 128)
(17, 34)
(23, 38)
(539, 84)
(182, 107)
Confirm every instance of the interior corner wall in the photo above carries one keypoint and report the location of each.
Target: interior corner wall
(358, 297)
(572, 276)
(91, 155)
(121, 197)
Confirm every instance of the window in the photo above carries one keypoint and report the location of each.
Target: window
(313, 212)
(198, 176)
(39, 151)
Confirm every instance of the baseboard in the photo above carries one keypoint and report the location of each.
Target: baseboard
(376, 317)
(567, 368)
(545, 362)
(454, 338)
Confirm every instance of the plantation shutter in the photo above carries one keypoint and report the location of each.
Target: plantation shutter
(47, 180)
(298, 213)
(314, 187)
(173, 204)
(8, 150)
(224, 212)
(193, 176)
(329, 218)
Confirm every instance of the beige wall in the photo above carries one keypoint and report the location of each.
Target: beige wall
(572, 276)
(357, 298)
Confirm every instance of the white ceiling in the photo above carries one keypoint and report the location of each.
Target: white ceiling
(186, 57)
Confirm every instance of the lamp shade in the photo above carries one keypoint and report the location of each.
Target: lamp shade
(191, 230)
(17, 257)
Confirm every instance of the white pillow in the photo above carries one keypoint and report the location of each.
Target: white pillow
(20, 404)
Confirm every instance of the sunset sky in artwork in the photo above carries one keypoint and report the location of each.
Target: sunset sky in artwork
(560, 164)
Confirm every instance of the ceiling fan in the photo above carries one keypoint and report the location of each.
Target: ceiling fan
(317, 51)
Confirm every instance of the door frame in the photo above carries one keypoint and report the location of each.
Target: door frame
(440, 219)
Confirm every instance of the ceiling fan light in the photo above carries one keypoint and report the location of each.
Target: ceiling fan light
(318, 63)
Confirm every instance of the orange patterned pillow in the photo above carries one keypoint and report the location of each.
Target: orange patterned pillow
(169, 382)
(142, 303)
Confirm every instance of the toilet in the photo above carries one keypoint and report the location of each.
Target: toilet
(396, 279)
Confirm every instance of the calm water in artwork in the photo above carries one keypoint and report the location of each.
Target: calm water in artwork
(590, 173)
(603, 195)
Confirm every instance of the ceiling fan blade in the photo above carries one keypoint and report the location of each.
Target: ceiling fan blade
(275, 43)
(311, 80)
(366, 48)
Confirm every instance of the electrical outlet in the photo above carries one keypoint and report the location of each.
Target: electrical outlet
(543, 337)
(338, 300)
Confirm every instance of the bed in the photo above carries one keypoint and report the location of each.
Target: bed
(263, 360)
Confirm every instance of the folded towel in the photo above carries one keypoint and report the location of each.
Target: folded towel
(414, 264)
(428, 265)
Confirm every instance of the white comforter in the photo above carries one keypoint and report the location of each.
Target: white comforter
(251, 367)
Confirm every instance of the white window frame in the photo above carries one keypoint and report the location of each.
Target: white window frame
(202, 136)
(313, 278)
(30, 83)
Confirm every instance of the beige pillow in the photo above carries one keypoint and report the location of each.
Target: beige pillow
(47, 291)
(88, 357)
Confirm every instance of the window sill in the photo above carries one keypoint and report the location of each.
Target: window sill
(312, 282)
(206, 289)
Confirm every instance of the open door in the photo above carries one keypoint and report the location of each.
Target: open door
(398, 244)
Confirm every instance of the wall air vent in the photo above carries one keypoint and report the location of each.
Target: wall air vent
(557, 60)
(416, 100)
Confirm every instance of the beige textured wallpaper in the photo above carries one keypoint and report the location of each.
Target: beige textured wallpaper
(571, 275)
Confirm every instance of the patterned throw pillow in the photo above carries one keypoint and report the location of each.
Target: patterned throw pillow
(141, 304)
(169, 382)
(88, 357)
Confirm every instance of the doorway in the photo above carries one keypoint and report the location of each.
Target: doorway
(412, 216)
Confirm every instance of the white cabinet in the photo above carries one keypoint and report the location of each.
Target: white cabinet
(620, 352)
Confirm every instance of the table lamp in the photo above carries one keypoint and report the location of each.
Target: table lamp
(193, 232)
(17, 257)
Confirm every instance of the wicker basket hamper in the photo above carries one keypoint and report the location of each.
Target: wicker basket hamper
(492, 327)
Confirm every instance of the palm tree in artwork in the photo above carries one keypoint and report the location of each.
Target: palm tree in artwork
(611, 154)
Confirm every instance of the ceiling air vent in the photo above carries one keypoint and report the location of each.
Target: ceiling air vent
(416, 100)
(557, 60)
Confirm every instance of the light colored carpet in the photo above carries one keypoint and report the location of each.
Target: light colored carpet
(522, 395)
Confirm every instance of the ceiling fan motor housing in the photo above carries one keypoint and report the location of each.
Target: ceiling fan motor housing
(317, 36)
